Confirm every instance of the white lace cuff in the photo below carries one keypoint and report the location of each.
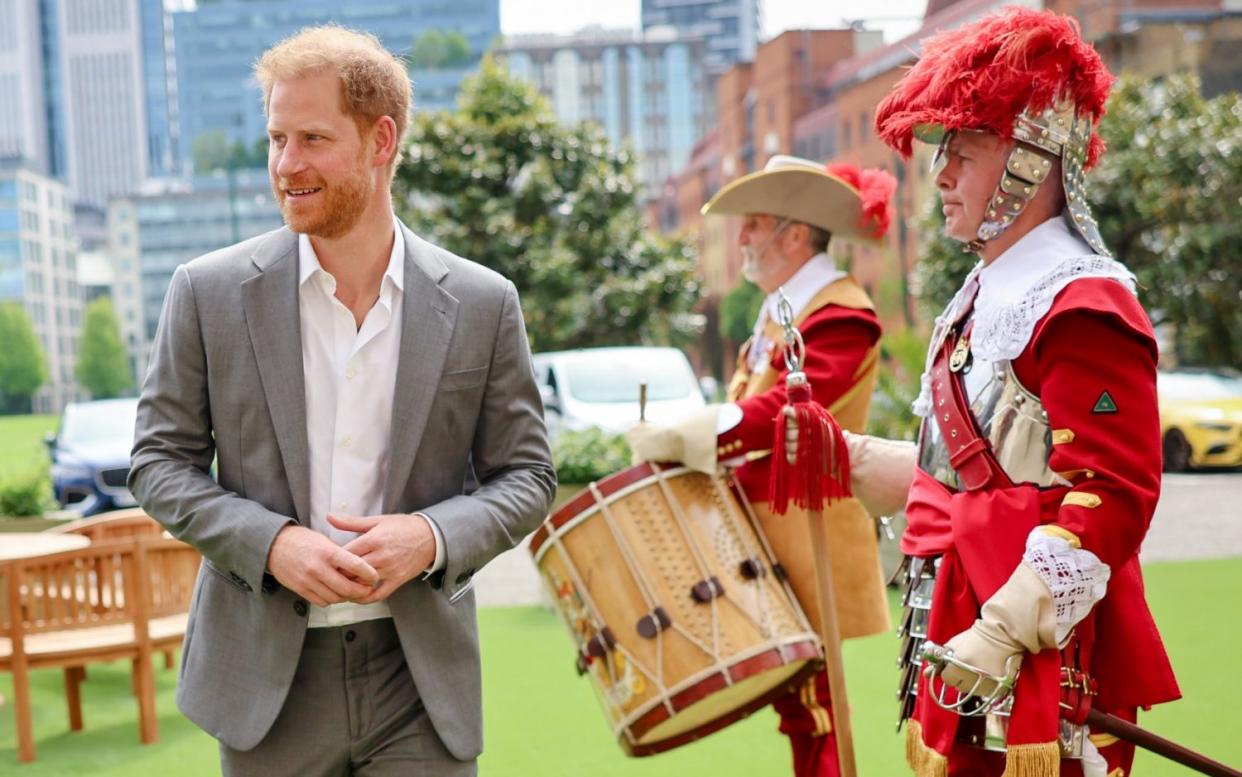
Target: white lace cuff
(1076, 577)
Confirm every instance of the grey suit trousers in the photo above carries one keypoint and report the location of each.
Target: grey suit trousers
(352, 710)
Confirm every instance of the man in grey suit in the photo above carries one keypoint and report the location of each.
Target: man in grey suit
(343, 374)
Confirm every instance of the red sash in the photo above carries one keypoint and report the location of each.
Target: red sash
(980, 533)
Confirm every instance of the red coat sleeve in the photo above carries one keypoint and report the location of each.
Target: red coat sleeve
(1094, 359)
(837, 340)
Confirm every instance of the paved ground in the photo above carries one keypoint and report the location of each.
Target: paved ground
(1199, 516)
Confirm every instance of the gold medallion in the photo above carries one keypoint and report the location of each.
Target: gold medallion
(960, 355)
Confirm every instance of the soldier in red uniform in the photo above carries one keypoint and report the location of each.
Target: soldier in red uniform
(789, 211)
(1038, 464)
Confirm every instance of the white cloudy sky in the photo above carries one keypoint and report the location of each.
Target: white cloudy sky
(895, 17)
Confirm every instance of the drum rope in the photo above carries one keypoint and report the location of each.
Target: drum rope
(803, 621)
(644, 586)
(599, 623)
(704, 569)
(645, 589)
(746, 540)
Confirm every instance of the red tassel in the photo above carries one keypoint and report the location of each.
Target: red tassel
(820, 473)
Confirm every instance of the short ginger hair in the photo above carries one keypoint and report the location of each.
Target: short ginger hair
(374, 82)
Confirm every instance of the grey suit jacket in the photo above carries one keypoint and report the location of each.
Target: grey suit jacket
(225, 382)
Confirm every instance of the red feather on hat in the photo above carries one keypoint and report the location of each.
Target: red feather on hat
(980, 77)
(875, 189)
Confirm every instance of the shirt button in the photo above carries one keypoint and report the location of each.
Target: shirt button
(346, 441)
(350, 373)
(342, 505)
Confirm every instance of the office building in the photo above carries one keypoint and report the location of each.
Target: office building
(646, 90)
(169, 223)
(218, 43)
(38, 269)
(729, 28)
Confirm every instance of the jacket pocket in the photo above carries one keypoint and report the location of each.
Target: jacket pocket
(225, 576)
(463, 379)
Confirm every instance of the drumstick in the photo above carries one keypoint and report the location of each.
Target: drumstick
(642, 402)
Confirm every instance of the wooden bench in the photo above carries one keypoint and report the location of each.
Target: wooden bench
(124, 524)
(106, 602)
(115, 525)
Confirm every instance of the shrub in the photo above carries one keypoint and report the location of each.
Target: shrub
(25, 495)
(587, 455)
(897, 385)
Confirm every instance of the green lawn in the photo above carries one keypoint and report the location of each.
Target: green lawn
(21, 443)
(542, 719)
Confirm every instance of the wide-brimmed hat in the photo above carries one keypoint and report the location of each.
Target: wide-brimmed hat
(844, 200)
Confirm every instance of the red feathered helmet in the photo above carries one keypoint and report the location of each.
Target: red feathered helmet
(1021, 74)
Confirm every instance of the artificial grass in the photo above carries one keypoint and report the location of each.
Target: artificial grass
(543, 720)
(22, 449)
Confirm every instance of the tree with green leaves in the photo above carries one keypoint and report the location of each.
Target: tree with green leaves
(551, 207)
(103, 365)
(738, 311)
(438, 50)
(23, 366)
(1168, 197)
(212, 150)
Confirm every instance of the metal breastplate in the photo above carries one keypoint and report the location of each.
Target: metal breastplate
(1011, 418)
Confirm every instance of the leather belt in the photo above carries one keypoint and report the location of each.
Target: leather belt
(970, 453)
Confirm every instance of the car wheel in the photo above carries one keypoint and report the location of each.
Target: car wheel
(1176, 452)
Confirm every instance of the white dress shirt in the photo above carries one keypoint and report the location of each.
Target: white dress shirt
(350, 374)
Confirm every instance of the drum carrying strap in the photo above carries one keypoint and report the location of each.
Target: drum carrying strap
(970, 453)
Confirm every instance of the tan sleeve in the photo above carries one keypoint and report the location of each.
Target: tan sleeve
(881, 472)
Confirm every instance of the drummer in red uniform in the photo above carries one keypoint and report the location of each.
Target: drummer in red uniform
(789, 211)
(1038, 465)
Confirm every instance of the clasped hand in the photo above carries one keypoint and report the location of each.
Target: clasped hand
(392, 550)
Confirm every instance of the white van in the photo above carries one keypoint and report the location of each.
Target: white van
(599, 387)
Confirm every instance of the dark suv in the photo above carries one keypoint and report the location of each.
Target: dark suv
(90, 455)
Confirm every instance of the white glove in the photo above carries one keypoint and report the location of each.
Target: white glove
(692, 441)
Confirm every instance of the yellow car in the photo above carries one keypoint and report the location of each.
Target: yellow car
(1200, 418)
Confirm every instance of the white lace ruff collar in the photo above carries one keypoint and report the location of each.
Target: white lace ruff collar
(1016, 291)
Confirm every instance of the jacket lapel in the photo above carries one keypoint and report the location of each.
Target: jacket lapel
(428, 316)
(270, 303)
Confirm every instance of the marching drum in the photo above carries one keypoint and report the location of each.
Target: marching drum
(680, 615)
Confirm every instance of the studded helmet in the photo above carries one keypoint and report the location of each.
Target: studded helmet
(1021, 74)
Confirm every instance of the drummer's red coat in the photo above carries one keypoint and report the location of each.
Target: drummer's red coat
(840, 366)
(1092, 362)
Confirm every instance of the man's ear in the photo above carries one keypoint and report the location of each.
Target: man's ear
(384, 140)
(797, 235)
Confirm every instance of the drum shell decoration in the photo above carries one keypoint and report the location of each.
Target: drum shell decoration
(680, 617)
